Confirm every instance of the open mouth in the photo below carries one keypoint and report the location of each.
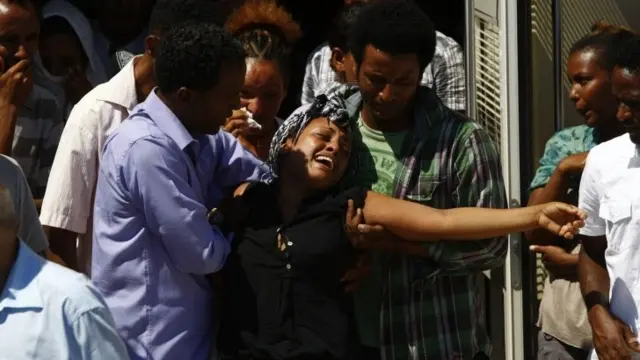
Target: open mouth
(325, 161)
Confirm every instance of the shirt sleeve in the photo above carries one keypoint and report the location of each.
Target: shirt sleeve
(158, 180)
(449, 79)
(309, 83)
(69, 195)
(554, 152)
(96, 338)
(30, 230)
(480, 184)
(238, 165)
(590, 199)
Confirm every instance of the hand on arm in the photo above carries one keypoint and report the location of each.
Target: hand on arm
(555, 190)
(155, 176)
(366, 236)
(612, 338)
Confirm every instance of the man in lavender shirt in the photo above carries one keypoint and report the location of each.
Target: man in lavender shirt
(153, 245)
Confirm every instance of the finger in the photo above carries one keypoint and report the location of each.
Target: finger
(350, 211)
(371, 229)
(578, 224)
(239, 115)
(237, 123)
(359, 217)
(538, 249)
(237, 133)
(236, 126)
(20, 67)
(634, 344)
(630, 339)
(582, 214)
(567, 231)
(550, 225)
(17, 78)
(567, 208)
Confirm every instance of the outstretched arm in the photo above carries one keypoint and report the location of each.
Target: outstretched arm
(415, 222)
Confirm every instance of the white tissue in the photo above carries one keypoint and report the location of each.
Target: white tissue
(252, 123)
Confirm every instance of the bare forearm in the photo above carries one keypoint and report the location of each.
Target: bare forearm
(415, 222)
(555, 190)
(63, 243)
(8, 116)
(593, 277)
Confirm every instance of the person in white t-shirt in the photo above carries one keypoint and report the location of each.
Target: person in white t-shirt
(68, 203)
(609, 263)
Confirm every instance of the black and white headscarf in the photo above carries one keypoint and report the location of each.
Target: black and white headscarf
(333, 107)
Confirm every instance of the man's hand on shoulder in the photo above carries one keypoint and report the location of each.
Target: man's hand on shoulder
(573, 164)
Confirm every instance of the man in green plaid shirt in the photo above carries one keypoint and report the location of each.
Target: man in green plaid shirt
(424, 301)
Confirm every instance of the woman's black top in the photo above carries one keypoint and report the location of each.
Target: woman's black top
(286, 301)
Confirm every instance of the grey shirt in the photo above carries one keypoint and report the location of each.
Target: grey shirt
(30, 231)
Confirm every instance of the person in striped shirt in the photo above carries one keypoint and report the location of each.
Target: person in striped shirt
(324, 70)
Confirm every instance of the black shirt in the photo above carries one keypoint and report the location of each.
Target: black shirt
(284, 300)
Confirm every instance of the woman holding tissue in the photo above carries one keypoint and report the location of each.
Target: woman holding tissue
(268, 34)
(285, 299)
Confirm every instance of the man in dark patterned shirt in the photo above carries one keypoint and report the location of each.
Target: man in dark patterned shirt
(423, 302)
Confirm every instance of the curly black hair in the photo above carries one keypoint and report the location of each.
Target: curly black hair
(167, 14)
(395, 27)
(606, 40)
(192, 56)
(629, 55)
(342, 23)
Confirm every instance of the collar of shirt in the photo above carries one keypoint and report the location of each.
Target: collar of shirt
(21, 291)
(427, 111)
(121, 89)
(166, 120)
